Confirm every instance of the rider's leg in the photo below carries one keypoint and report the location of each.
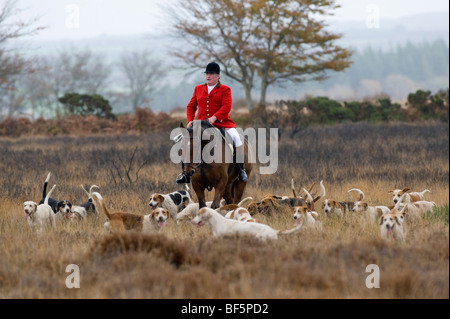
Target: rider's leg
(239, 153)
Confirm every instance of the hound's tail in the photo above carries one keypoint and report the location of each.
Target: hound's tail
(44, 191)
(294, 230)
(188, 189)
(323, 192)
(361, 193)
(308, 196)
(293, 188)
(425, 191)
(90, 190)
(245, 202)
(99, 199)
(48, 195)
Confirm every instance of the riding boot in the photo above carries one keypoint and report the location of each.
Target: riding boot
(183, 178)
(242, 174)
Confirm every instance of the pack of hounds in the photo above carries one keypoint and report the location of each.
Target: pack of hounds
(232, 219)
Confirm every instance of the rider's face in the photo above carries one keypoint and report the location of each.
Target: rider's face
(212, 78)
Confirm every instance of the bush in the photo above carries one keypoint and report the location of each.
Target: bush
(85, 104)
(438, 214)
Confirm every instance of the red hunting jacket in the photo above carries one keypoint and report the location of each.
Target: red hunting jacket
(217, 103)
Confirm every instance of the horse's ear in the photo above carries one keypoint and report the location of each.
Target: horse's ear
(181, 124)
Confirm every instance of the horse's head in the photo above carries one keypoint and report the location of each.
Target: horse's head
(192, 141)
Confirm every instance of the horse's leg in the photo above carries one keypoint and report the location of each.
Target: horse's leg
(199, 190)
(239, 188)
(201, 198)
(227, 194)
(219, 190)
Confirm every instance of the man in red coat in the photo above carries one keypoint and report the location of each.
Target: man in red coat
(213, 102)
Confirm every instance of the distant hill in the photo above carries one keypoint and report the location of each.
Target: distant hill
(415, 30)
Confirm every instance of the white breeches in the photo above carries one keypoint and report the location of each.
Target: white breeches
(235, 136)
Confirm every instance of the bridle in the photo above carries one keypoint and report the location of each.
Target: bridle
(192, 166)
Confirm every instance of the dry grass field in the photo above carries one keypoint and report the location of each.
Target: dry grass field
(185, 262)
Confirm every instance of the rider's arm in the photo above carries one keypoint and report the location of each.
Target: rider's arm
(225, 109)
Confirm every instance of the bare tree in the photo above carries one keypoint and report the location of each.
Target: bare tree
(142, 73)
(79, 71)
(12, 64)
(38, 89)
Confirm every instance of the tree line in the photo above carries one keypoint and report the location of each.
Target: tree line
(259, 44)
(91, 115)
(296, 116)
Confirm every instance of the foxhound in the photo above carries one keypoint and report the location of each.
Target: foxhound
(120, 221)
(410, 197)
(274, 204)
(363, 210)
(333, 207)
(306, 215)
(222, 226)
(419, 208)
(238, 213)
(174, 202)
(85, 209)
(38, 216)
(307, 218)
(62, 208)
(392, 224)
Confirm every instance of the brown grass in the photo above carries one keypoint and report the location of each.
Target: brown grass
(187, 262)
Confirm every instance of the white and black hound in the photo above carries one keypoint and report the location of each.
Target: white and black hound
(85, 209)
(174, 202)
(62, 208)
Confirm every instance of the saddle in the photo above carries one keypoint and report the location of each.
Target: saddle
(223, 133)
(226, 138)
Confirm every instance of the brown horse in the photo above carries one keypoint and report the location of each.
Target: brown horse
(221, 173)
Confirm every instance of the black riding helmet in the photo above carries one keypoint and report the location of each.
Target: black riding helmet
(213, 67)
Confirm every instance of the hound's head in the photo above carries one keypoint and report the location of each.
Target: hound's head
(160, 216)
(78, 213)
(253, 208)
(65, 208)
(156, 201)
(389, 221)
(29, 208)
(360, 207)
(202, 217)
(300, 214)
(397, 193)
(268, 204)
(329, 205)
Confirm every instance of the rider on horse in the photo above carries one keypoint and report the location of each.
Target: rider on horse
(213, 101)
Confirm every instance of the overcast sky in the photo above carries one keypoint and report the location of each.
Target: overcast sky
(90, 18)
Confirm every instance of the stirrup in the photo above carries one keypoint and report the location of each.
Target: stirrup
(183, 179)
